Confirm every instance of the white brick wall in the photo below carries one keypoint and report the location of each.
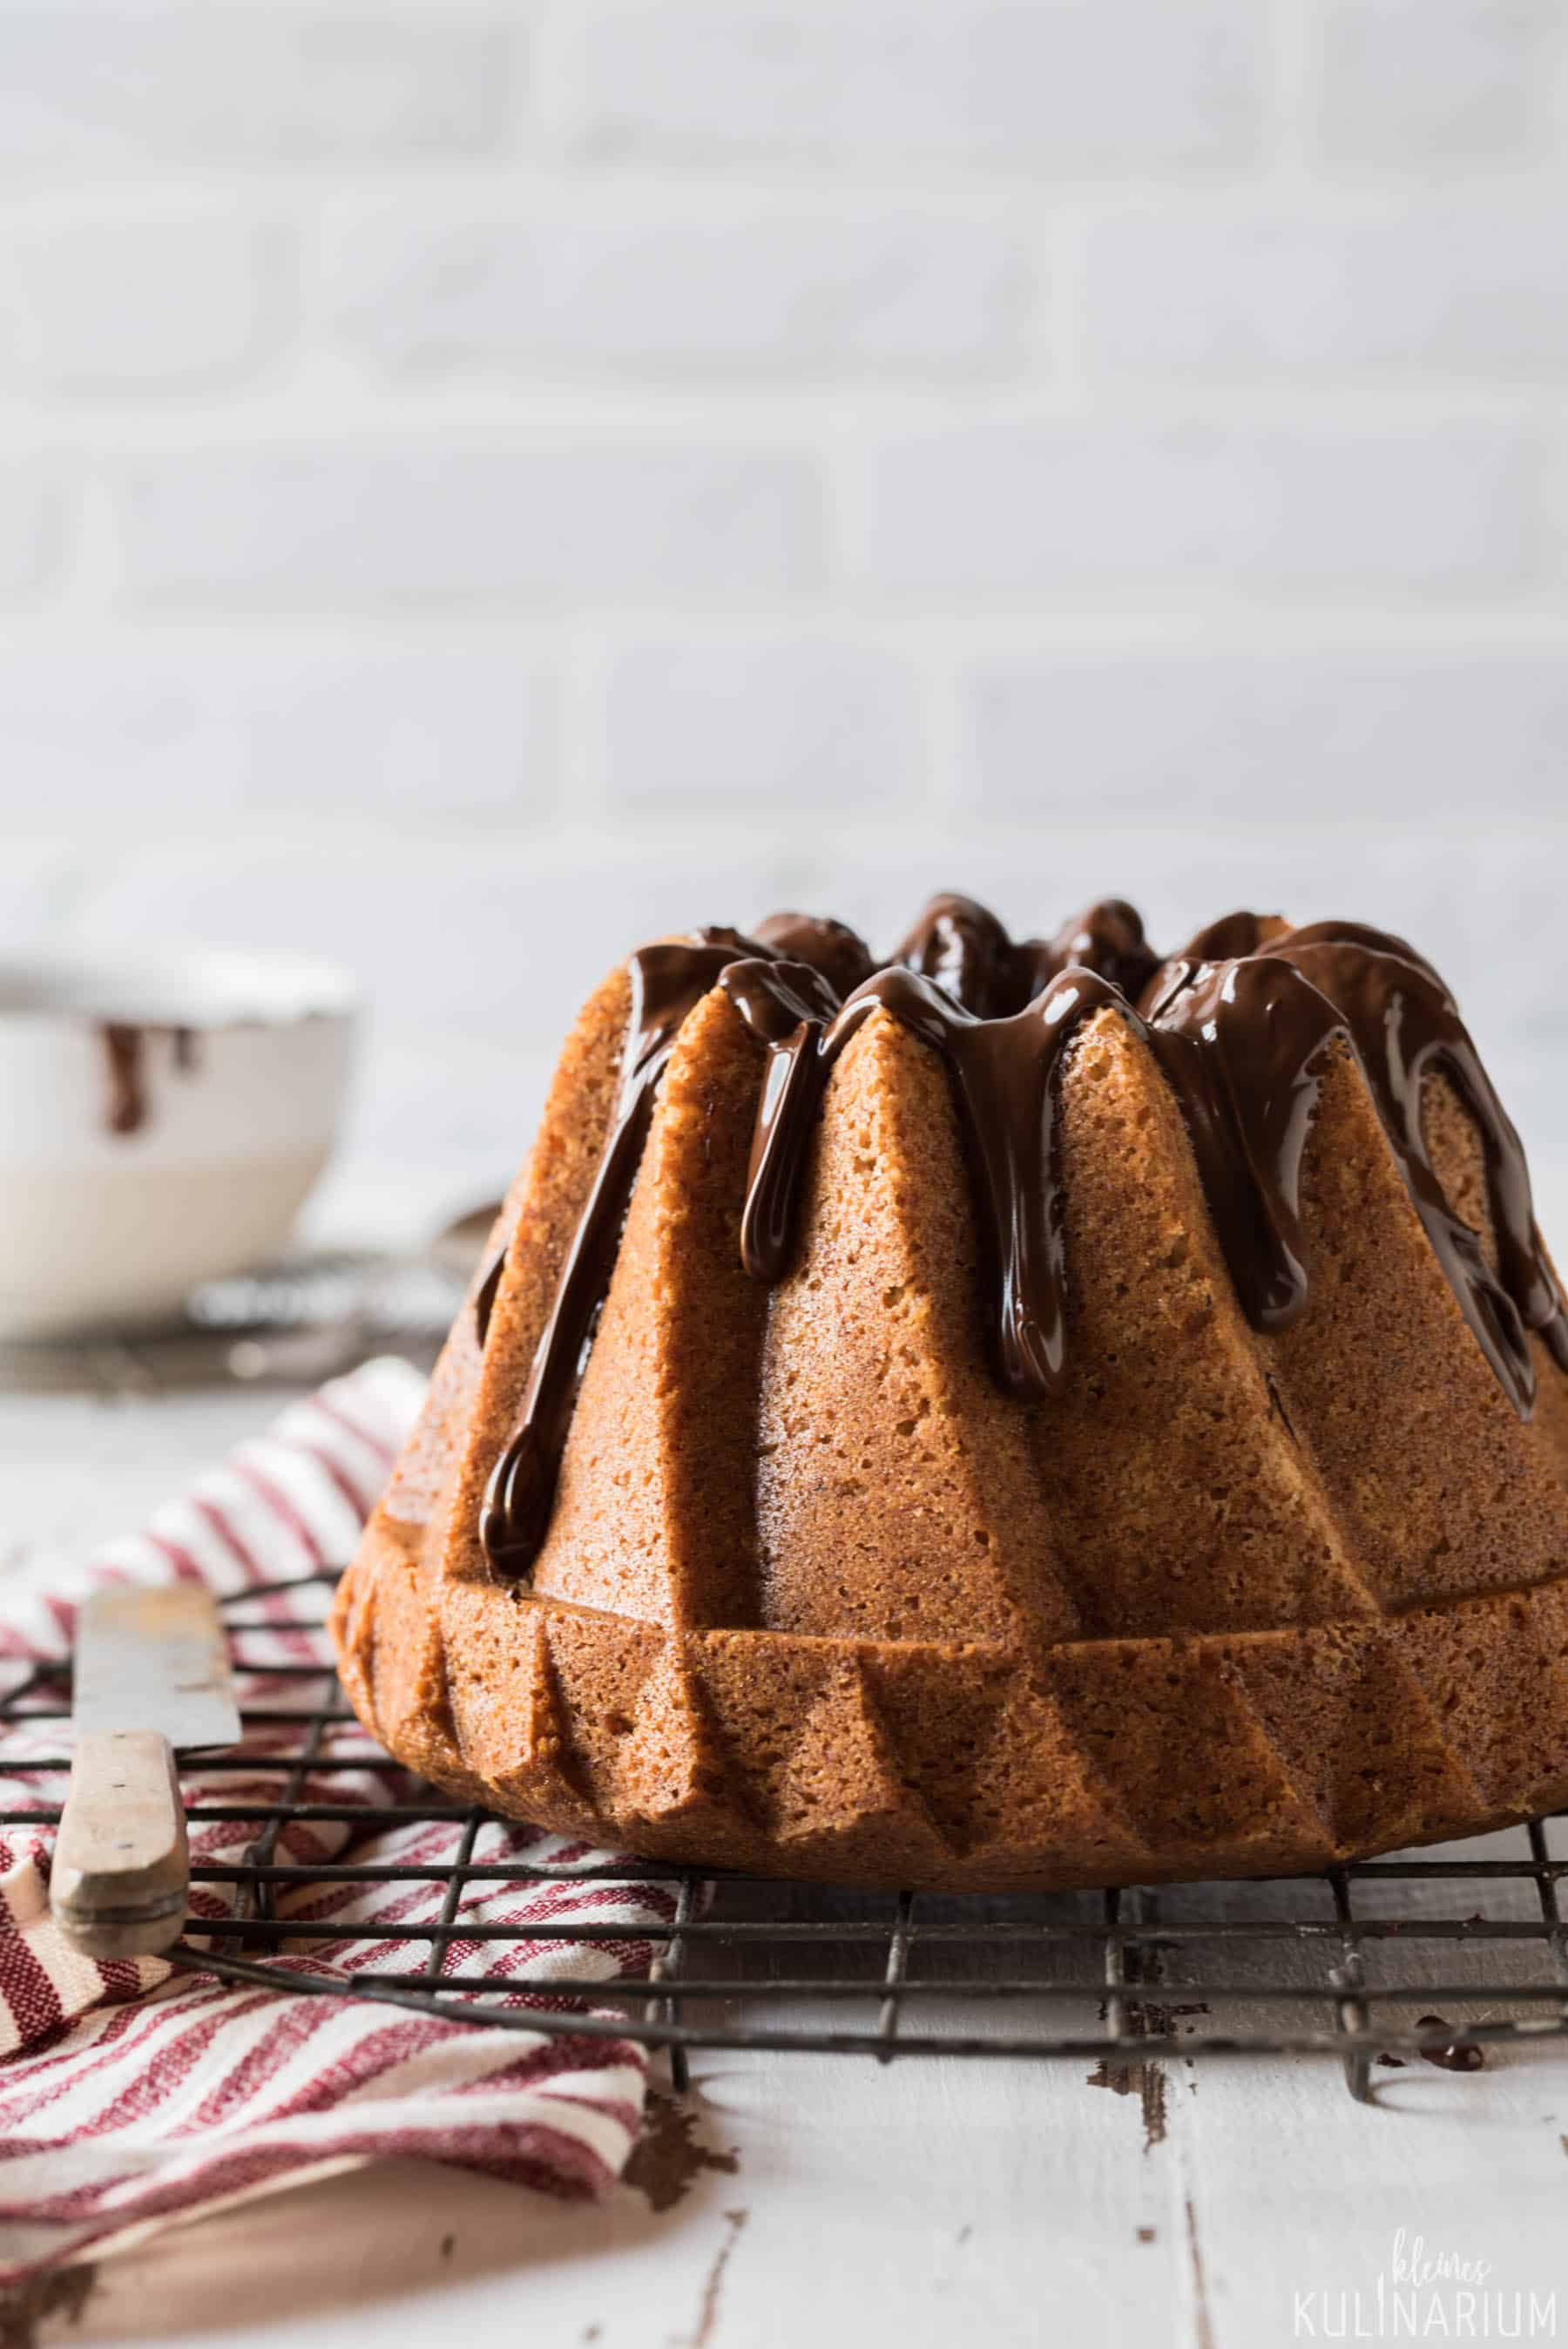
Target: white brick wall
(1202, 509)
(1478, 735)
(1474, 288)
(478, 483)
(331, 527)
(91, 82)
(815, 726)
(185, 728)
(32, 521)
(1438, 81)
(1101, 85)
(156, 301)
(765, 285)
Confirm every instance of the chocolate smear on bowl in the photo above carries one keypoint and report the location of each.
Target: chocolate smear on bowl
(125, 1044)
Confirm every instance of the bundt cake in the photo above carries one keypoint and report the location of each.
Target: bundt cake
(1021, 1414)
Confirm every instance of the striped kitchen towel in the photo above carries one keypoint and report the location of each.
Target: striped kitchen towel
(133, 2094)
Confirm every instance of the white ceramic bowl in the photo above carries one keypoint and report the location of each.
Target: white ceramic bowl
(162, 1119)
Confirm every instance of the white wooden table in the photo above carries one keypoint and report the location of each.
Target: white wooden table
(922, 2203)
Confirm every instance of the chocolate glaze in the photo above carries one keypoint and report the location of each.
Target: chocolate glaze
(966, 951)
(1003, 1068)
(1225, 940)
(484, 1296)
(1243, 1045)
(843, 958)
(125, 1051)
(1241, 1025)
(962, 949)
(1108, 938)
(668, 980)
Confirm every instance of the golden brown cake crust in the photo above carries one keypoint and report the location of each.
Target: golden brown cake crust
(968, 1768)
(818, 1598)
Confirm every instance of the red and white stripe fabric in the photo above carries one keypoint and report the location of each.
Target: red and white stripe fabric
(132, 2096)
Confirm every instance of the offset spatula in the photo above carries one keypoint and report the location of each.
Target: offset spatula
(151, 1675)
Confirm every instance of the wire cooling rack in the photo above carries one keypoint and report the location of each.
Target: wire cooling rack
(1435, 1957)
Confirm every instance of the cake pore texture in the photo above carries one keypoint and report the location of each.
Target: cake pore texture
(1023, 1415)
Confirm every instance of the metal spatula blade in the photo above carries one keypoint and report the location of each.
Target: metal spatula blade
(151, 1675)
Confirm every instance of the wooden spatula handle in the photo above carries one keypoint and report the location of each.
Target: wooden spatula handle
(121, 1868)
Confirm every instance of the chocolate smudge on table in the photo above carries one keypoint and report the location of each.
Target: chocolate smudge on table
(667, 2160)
(63, 2292)
(1450, 2057)
(708, 2309)
(1204, 2324)
(1147, 2082)
(1144, 2077)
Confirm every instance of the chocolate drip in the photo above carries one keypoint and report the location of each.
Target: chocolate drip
(965, 950)
(485, 1297)
(124, 1045)
(1004, 1071)
(668, 980)
(788, 1006)
(1241, 1026)
(125, 1051)
(1232, 936)
(1243, 1044)
(1108, 938)
(833, 949)
(1403, 1027)
(1240, 1044)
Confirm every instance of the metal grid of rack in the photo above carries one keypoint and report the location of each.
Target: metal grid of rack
(1436, 1956)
